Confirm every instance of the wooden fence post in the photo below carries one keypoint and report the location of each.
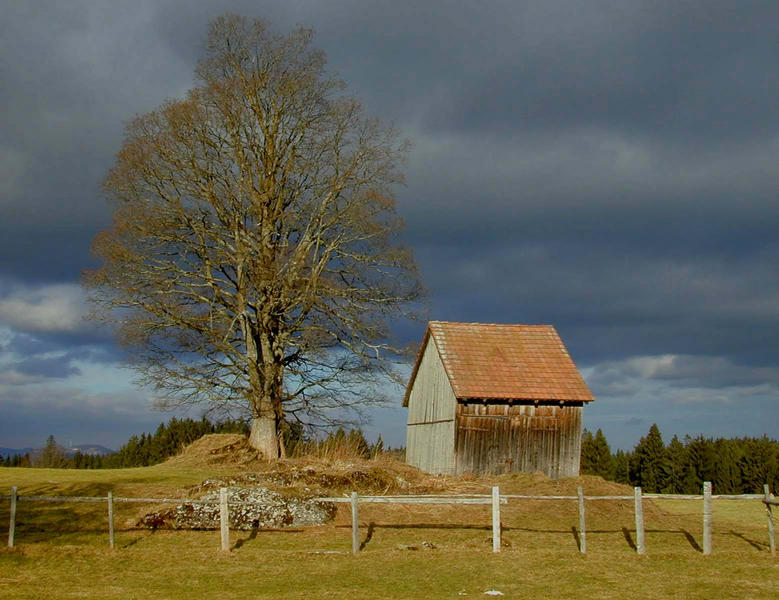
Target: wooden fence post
(639, 521)
(771, 532)
(707, 517)
(355, 524)
(495, 519)
(12, 524)
(224, 519)
(582, 529)
(111, 520)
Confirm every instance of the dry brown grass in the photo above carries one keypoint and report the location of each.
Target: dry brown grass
(339, 469)
(338, 473)
(63, 551)
(225, 449)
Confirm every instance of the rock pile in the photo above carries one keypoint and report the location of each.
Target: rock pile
(259, 507)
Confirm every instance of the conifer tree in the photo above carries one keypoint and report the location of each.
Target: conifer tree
(677, 465)
(759, 465)
(603, 463)
(650, 461)
(596, 455)
(727, 474)
(701, 464)
(52, 456)
(587, 458)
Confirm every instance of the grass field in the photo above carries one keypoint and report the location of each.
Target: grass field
(62, 549)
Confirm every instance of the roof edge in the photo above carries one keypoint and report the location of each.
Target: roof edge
(417, 362)
(591, 398)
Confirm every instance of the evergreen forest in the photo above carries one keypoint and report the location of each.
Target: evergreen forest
(734, 466)
(139, 451)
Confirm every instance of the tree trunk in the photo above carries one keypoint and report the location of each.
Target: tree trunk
(263, 436)
(267, 380)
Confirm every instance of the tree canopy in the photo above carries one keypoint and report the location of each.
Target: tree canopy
(254, 258)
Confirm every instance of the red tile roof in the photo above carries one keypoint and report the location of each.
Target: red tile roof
(506, 362)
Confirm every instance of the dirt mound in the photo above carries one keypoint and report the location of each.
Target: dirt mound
(339, 477)
(282, 492)
(217, 449)
(381, 475)
(232, 453)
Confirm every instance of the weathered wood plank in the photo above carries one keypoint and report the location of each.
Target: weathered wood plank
(61, 498)
(485, 499)
(413, 500)
(503, 437)
(355, 523)
(531, 497)
(496, 531)
(639, 509)
(110, 521)
(430, 438)
(12, 524)
(172, 501)
(582, 527)
(707, 517)
(224, 520)
(771, 533)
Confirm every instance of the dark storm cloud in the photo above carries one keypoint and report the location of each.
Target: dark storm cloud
(69, 84)
(677, 72)
(95, 346)
(681, 371)
(59, 367)
(67, 347)
(101, 418)
(607, 167)
(683, 395)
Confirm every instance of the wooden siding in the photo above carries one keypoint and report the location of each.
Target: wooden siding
(511, 437)
(431, 416)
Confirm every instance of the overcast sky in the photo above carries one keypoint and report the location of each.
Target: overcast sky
(608, 167)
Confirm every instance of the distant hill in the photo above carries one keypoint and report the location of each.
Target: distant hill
(89, 449)
(86, 449)
(13, 451)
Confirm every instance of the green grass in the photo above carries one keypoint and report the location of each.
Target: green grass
(62, 549)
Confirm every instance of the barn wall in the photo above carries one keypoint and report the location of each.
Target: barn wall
(503, 438)
(431, 416)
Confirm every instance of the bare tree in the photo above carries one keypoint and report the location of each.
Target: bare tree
(253, 257)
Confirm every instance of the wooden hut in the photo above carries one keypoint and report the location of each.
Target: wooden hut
(488, 398)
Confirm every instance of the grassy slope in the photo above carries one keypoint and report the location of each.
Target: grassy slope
(62, 548)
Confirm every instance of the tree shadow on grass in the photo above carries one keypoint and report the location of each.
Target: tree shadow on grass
(50, 523)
